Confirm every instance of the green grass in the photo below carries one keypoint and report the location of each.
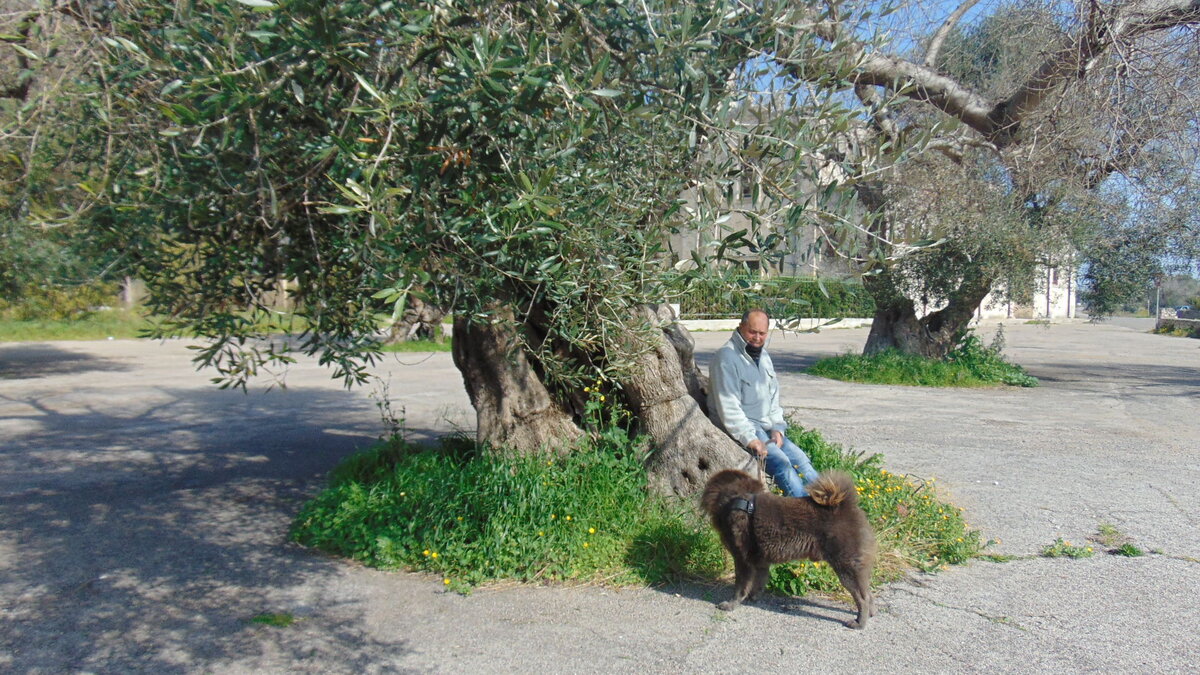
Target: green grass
(127, 324)
(473, 517)
(970, 365)
(117, 323)
(418, 346)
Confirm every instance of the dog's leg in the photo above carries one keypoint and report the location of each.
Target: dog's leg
(761, 574)
(744, 580)
(858, 581)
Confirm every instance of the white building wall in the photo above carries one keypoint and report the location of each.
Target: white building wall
(1055, 298)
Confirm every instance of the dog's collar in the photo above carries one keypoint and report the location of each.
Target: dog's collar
(743, 504)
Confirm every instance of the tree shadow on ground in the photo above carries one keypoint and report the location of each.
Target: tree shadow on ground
(148, 543)
(812, 606)
(31, 360)
(1150, 380)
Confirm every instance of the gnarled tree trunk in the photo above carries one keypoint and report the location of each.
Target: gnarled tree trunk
(665, 390)
(513, 407)
(667, 394)
(896, 324)
(420, 321)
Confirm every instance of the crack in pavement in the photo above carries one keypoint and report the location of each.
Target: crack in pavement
(1001, 619)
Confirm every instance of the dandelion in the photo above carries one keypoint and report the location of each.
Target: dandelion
(425, 553)
(401, 494)
(445, 582)
(553, 516)
(433, 555)
(591, 530)
(541, 534)
(585, 544)
(568, 517)
(602, 398)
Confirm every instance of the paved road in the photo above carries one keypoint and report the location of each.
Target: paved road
(143, 519)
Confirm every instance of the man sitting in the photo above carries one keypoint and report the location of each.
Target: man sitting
(744, 397)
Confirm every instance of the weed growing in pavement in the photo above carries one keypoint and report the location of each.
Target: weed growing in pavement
(1108, 535)
(1064, 549)
(1116, 542)
(1128, 550)
(276, 619)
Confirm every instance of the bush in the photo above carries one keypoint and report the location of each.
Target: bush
(59, 303)
(475, 516)
(969, 365)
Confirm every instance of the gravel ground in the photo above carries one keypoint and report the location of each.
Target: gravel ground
(144, 516)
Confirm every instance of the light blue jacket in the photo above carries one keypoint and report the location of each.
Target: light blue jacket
(742, 395)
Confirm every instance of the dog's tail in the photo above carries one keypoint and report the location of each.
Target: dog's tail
(832, 488)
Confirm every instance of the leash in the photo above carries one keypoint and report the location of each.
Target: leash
(762, 461)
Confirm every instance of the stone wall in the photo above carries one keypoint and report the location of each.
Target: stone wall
(1189, 324)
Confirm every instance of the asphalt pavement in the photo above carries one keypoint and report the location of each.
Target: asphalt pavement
(144, 518)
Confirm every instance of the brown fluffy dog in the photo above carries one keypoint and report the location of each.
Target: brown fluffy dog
(760, 529)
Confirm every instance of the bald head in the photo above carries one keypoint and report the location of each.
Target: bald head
(754, 327)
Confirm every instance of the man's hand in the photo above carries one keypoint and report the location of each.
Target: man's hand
(777, 438)
(758, 448)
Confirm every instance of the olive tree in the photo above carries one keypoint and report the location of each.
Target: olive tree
(1056, 125)
(515, 163)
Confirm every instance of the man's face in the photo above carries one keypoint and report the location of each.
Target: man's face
(754, 329)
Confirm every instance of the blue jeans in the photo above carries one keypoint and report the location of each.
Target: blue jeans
(787, 464)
